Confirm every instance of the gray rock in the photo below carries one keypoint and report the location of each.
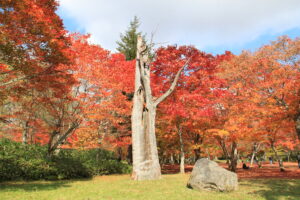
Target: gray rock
(208, 175)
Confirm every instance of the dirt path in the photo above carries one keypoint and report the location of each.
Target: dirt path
(267, 171)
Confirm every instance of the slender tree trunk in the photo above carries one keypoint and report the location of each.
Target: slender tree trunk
(225, 151)
(145, 156)
(288, 156)
(297, 124)
(25, 135)
(53, 140)
(254, 152)
(252, 158)
(197, 153)
(207, 153)
(120, 153)
(264, 156)
(233, 157)
(182, 157)
(172, 159)
(129, 154)
(280, 163)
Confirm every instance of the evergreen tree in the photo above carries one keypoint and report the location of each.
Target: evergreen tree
(128, 42)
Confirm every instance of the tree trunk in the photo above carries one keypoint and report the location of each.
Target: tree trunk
(145, 156)
(233, 157)
(264, 156)
(197, 153)
(25, 133)
(120, 153)
(289, 155)
(172, 159)
(197, 150)
(58, 138)
(179, 129)
(280, 163)
(255, 149)
(207, 153)
(252, 158)
(225, 151)
(129, 154)
(297, 124)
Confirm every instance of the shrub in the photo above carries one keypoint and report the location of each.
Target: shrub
(30, 162)
(101, 162)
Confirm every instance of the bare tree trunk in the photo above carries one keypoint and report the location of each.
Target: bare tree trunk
(58, 138)
(297, 124)
(179, 129)
(145, 156)
(129, 154)
(280, 163)
(25, 133)
(197, 153)
(289, 155)
(207, 153)
(120, 153)
(233, 157)
(252, 158)
(225, 151)
(197, 150)
(171, 159)
(254, 152)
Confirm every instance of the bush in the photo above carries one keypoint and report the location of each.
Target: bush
(101, 162)
(30, 162)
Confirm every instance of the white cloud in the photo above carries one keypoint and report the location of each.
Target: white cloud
(204, 23)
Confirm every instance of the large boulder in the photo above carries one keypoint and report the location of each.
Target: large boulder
(208, 175)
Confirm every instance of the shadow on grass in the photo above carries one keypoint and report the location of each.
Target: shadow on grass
(276, 189)
(25, 186)
(37, 185)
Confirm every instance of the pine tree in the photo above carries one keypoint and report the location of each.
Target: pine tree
(128, 42)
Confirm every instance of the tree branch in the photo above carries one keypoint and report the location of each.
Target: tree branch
(173, 85)
(29, 77)
(2, 119)
(63, 137)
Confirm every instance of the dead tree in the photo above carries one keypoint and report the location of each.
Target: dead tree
(145, 156)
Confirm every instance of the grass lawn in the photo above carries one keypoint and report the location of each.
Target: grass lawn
(171, 187)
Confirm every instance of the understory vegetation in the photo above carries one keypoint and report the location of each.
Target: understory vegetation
(30, 162)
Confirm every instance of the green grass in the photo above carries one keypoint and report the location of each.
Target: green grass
(170, 187)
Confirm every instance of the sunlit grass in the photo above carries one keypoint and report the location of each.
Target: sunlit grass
(170, 187)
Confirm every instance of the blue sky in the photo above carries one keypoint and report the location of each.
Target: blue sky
(211, 25)
(252, 45)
